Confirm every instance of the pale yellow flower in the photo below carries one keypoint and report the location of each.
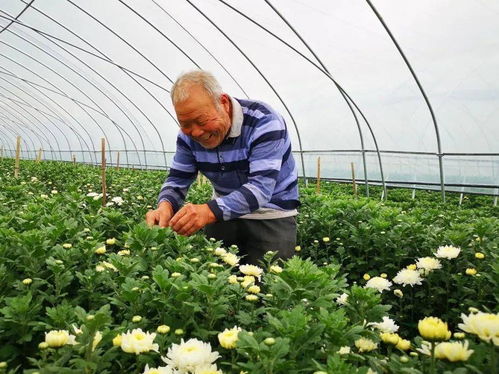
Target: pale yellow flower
(97, 339)
(408, 277)
(251, 297)
(389, 338)
(124, 252)
(403, 344)
(297, 248)
(453, 351)
(484, 325)
(67, 245)
(230, 259)
(100, 250)
(117, 340)
(111, 241)
(253, 289)
(136, 319)
(344, 350)
(228, 338)
(188, 356)
(276, 269)
(138, 341)
(58, 338)
(471, 271)
(27, 281)
(163, 329)
(379, 284)
(433, 328)
(479, 255)
(232, 279)
(365, 345)
(366, 277)
(247, 281)
(252, 270)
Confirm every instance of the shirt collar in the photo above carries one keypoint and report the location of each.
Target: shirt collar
(237, 119)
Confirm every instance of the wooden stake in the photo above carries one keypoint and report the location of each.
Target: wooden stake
(103, 171)
(1, 152)
(318, 182)
(18, 152)
(74, 160)
(39, 156)
(118, 161)
(461, 195)
(354, 184)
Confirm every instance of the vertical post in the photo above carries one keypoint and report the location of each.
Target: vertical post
(18, 152)
(354, 184)
(1, 152)
(318, 183)
(103, 170)
(413, 193)
(461, 195)
(74, 159)
(198, 181)
(39, 157)
(118, 161)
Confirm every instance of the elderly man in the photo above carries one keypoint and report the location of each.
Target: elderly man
(243, 148)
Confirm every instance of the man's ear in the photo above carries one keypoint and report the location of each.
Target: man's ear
(225, 102)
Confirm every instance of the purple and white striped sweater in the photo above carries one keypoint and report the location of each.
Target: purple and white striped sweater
(252, 169)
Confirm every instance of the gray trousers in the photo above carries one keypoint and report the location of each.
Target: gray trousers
(256, 237)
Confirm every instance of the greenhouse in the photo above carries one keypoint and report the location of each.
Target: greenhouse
(228, 186)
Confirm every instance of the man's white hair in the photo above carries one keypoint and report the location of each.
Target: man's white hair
(181, 89)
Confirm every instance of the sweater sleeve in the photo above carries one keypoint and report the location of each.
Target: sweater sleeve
(182, 174)
(269, 145)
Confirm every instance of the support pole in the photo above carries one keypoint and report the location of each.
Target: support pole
(74, 159)
(318, 183)
(103, 170)
(354, 184)
(461, 195)
(1, 153)
(118, 161)
(39, 156)
(18, 152)
(413, 194)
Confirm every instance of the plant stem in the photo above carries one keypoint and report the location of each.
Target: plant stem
(432, 367)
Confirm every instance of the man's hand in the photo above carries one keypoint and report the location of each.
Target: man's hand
(161, 216)
(191, 218)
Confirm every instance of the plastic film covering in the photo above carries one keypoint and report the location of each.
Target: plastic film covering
(405, 92)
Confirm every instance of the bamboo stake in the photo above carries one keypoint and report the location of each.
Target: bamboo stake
(318, 182)
(39, 156)
(18, 152)
(103, 170)
(1, 153)
(74, 160)
(118, 161)
(354, 184)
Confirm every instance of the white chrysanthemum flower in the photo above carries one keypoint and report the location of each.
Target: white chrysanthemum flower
(344, 350)
(109, 266)
(365, 345)
(190, 355)
(484, 325)
(276, 269)
(58, 338)
(342, 299)
(447, 251)
(117, 200)
(230, 259)
(388, 325)
(378, 283)
(208, 369)
(138, 341)
(252, 270)
(220, 251)
(247, 281)
(158, 370)
(408, 277)
(428, 264)
(92, 194)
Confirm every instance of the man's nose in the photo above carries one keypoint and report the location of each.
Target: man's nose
(196, 132)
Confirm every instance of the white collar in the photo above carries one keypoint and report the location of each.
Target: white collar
(237, 119)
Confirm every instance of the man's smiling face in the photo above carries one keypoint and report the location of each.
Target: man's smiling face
(201, 120)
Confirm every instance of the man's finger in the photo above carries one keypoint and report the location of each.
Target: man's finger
(187, 228)
(150, 218)
(182, 221)
(163, 218)
(177, 216)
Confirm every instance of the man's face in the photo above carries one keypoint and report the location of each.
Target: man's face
(200, 119)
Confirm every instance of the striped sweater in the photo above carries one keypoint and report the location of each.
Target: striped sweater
(252, 170)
